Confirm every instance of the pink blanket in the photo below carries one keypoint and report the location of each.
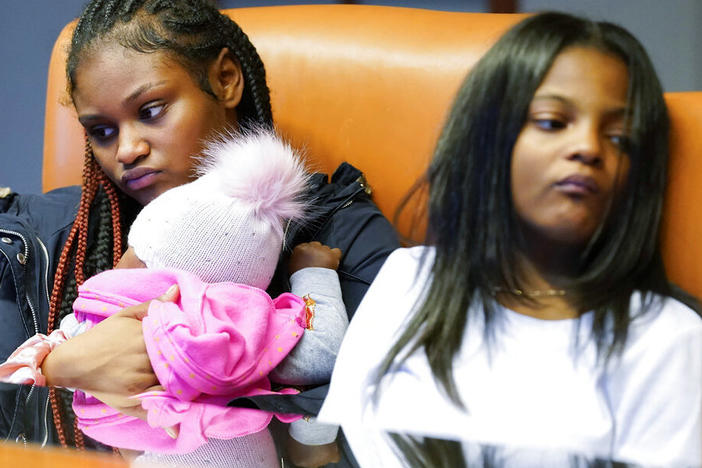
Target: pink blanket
(219, 341)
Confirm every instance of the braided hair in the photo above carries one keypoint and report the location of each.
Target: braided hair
(99, 212)
(191, 32)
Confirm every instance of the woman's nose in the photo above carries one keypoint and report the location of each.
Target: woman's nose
(587, 146)
(132, 146)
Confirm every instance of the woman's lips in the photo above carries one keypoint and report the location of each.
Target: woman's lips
(578, 185)
(139, 178)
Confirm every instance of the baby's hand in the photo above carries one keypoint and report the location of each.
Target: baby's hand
(314, 254)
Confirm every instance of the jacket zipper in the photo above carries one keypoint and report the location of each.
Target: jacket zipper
(35, 320)
(22, 438)
(362, 187)
(46, 271)
(346, 202)
(26, 259)
(12, 424)
(46, 422)
(48, 301)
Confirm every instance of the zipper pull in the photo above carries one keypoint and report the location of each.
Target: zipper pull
(364, 184)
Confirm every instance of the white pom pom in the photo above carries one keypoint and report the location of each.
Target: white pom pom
(257, 167)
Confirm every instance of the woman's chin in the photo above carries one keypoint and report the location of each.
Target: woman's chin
(570, 232)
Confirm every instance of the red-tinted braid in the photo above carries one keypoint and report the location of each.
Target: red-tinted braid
(79, 229)
(80, 224)
(93, 178)
(57, 416)
(78, 434)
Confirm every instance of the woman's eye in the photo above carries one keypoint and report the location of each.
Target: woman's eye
(101, 133)
(151, 111)
(549, 124)
(623, 142)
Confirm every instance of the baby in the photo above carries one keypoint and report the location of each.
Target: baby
(219, 239)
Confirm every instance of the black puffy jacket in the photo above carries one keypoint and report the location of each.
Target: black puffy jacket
(33, 229)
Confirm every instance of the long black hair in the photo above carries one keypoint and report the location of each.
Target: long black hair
(472, 223)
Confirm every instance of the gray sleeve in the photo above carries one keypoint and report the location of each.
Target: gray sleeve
(312, 360)
(311, 432)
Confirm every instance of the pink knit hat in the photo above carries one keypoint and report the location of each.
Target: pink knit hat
(228, 225)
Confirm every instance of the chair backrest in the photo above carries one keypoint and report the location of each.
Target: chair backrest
(371, 85)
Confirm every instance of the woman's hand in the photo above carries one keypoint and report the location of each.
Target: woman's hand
(132, 407)
(109, 360)
(313, 254)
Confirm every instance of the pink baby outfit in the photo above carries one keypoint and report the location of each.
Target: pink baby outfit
(217, 342)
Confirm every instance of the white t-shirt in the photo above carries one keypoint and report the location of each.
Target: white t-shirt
(533, 390)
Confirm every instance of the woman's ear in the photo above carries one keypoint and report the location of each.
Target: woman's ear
(226, 79)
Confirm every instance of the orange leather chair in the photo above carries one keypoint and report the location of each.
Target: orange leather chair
(35, 456)
(371, 85)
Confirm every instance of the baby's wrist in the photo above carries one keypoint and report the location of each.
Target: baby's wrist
(321, 282)
(303, 267)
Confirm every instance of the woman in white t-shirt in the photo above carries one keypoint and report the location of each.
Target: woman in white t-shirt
(539, 316)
